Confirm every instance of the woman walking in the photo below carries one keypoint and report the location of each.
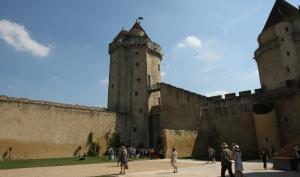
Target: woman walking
(237, 156)
(123, 160)
(174, 160)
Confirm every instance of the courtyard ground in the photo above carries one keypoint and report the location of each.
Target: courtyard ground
(144, 168)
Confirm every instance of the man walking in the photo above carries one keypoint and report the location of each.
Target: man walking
(226, 157)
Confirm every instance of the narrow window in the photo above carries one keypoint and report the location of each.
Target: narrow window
(158, 100)
(112, 86)
(158, 67)
(267, 140)
(288, 53)
(287, 69)
(141, 111)
(282, 40)
(136, 93)
(136, 53)
(286, 119)
(137, 64)
(134, 129)
(286, 29)
(149, 79)
(138, 79)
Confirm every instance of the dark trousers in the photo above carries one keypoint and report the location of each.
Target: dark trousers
(265, 164)
(224, 168)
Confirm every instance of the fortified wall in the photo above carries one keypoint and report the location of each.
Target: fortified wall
(216, 119)
(40, 129)
(268, 119)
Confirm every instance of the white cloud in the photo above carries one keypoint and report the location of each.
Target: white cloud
(217, 92)
(104, 81)
(162, 74)
(17, 36)
(191, 41)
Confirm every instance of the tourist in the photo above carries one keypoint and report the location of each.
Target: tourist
(123, 160)
(119, 156)
(111, 153)
(152, 153)
(226, 162)
(174, 160)
(7, 155)
(238, 161)
(264, 156)
(297, 153)
(211, 155)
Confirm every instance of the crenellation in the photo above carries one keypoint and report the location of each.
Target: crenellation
(230, 96)
(48, 103)
(246, 93)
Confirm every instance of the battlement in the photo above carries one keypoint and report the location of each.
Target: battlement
(231, 96)
(181, 91)
(4, 98)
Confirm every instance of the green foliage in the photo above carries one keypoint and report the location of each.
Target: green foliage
(93, 149)
(50, 162)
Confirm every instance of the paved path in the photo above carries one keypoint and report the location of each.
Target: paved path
(145, 168)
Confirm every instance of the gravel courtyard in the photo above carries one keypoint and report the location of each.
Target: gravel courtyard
(144, 168)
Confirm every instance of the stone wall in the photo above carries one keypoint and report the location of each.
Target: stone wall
(182, 140)
(38, 129)
(216, 119)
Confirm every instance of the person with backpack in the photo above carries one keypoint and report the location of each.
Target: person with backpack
(226, 163)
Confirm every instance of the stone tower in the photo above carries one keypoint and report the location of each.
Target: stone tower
(134, 73)
(277, 58)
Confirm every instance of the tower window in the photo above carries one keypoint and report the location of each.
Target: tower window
(136, 93)
(137, 64)
(141, 111)
(286, 119)
(286, 29)
(282, 40)
(287, 69)
(288, 53)
(158, 100)
(267, 140)
(138, 79)
(136, 53)
(112, 86)
(149, 79)
(158, 67)
(134, 129)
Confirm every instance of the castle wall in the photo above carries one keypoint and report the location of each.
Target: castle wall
(37, 129)
(221, 120)
(288, 117)
(267, 131)
(182, 140)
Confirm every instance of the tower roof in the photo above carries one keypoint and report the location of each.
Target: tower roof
(280, 12)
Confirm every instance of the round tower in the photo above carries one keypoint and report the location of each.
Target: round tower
(277, 58)
(134, 68)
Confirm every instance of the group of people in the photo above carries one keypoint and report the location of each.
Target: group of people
(229, 156)
(135, 153)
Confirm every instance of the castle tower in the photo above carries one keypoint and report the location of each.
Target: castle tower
(134, 70)
(278, 56)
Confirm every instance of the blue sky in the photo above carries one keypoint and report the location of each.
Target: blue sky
(58, 50)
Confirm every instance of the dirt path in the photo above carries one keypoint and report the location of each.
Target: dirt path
(146, 168)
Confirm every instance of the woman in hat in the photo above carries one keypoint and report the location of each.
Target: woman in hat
(123, 160)
(238, 161)
(174, 160)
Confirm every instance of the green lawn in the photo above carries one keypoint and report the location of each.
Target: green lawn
(50, 162)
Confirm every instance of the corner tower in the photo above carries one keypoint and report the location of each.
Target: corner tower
(278, 56)
(134, 69)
